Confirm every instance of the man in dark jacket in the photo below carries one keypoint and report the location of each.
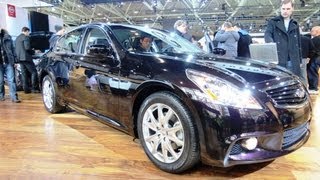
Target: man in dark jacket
(284, 31)
(181, 29)
(24, 55)
(54, 38)
(243, 43)
(313, 66)
(144, 44)
(7, 60)
(307, 51)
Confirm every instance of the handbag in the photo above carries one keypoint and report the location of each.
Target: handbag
(219, 51)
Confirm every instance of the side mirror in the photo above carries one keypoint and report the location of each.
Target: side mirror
(100, 49)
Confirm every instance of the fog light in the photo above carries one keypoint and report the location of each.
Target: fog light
(250, 143)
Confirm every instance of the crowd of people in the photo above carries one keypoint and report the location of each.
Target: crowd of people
(19, 52)
(298, 53)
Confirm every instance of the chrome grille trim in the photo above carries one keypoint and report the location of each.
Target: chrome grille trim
(286, 94)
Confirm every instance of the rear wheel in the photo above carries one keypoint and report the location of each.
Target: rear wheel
(167, 133)
(49, 96)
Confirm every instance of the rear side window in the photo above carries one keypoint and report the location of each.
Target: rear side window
(95, 36)
(70, 42)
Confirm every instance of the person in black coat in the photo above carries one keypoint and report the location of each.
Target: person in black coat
(243, 43)
(181, 29)
(313, 66)
(144, 44)
(60, 30)
(307, 50)
(284, 31)
(24, 55)
(7, 61)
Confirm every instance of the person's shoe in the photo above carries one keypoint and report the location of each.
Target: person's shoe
(2, 99)
(27, 92)
(313, 92)
(35, 91)
(16, 100)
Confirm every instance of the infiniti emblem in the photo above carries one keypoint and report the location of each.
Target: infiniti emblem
(300, 93)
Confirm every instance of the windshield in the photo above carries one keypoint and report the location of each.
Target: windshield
(149, 40)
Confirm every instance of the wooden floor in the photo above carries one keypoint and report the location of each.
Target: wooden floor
(37, 145)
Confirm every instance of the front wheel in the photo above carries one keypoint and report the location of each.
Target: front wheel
(49, 96)
(167, 133)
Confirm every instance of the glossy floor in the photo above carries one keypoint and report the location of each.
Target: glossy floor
(37, 145)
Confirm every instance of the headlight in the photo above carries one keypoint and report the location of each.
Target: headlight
(221, 92)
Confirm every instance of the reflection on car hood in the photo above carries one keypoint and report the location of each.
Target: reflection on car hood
(252, 71)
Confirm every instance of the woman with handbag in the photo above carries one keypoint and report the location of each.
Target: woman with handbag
(228, 39)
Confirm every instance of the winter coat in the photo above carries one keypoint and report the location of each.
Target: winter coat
(307, 47)
(7, 48)
(316, 43)
(186, 36)
(53, 39)
(288, 42)
(243, 44)
(228, 40)
(23, 48)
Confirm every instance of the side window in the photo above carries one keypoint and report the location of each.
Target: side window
(134, 39)
(70, 42)
(95, 37)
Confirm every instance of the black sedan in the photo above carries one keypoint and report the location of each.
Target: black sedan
(185, 106)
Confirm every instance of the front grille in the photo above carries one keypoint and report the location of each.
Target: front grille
(288, 93)
(292, 136)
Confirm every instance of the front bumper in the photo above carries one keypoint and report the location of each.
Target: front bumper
(268, 147)
(224, 129)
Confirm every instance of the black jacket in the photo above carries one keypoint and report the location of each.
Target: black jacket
(186, 36)
(7, 49)
(23, 48)
(316, 43)
(288, 42)
(243, 45)
(53, 39)
(307, 47)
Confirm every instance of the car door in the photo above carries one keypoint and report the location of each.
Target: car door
(65, 63)
(95, 77)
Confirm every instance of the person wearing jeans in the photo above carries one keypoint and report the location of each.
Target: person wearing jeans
(313, 66)
(7, 60)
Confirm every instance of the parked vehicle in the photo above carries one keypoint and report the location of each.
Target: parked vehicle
(185, 106)
(39, 41)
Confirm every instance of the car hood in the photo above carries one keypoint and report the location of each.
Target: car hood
(251, 71)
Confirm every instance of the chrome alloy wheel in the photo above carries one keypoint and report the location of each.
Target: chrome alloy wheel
(163, 133)
(47, 93)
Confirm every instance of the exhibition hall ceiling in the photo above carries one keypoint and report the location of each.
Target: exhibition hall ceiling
(200, 14)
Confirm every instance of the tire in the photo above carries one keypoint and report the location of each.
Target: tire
(49, 96)
(172, 145)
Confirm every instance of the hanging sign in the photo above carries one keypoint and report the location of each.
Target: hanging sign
(11, 11)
